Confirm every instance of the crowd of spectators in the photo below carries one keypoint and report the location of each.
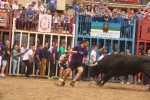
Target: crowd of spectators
(28, 15)
(101, 12)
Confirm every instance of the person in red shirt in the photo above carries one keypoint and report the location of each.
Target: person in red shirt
(147, 16)
(132, 14)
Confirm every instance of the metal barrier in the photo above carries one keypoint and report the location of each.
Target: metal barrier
(125, 40)
(142, 43)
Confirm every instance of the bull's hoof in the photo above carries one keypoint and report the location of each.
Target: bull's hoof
(99, 84)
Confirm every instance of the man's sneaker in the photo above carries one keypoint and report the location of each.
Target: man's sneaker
(63, 31)
(13, 75)
(67, 32)
(60, 79)
(50, 78)
(128, 83)
(121, 83)
(139, 80)
(26, 77)
(62, 84)
(72, 84)
(92, 81)
(3, 75)
(36, 77)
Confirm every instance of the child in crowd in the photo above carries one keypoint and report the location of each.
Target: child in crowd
(55, 22)
(65, 21)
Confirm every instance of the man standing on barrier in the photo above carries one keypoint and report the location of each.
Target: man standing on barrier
(79, 52)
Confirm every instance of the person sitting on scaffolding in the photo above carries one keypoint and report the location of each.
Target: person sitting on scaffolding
(29, 17)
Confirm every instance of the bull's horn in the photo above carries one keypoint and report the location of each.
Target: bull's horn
(92, 65)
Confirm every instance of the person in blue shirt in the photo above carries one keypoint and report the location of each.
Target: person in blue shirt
(52, 5)
(81, 10)
(107, 15)
(101, 5)
(76, 6)
(29, 16)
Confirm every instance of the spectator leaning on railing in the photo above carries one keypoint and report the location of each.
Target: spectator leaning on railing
(147, 16)
(76, 5)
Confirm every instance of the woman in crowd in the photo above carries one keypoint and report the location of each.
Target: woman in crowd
(76, 5)
(96, 14)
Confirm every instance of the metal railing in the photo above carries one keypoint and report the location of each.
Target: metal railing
(84, 25)
(22, 24)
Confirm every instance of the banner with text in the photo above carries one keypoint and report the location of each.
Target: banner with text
(3, 18)
(105, 30)
(45, 23)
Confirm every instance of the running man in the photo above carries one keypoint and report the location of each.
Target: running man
(79, 52)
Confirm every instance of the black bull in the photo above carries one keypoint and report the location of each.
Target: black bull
(120, 65)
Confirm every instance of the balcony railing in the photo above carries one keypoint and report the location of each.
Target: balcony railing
(22, 24)
(125, 26)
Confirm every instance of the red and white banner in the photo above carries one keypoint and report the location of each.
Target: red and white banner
(44, 23)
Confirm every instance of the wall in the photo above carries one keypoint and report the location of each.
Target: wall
(24, 2)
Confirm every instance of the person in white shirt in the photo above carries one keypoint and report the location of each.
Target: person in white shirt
(93, 58)
(15, 5)
(39, 9)
(63, 64)
(55, 22)
(102, 56)
(28, 56)
(23, 51)
(33, 4)
(51, 47)
(148, 5)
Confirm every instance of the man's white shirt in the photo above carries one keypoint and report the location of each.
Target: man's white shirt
(27, 55)
(93, 53)
(101, 57)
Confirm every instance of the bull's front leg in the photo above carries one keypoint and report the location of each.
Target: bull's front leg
(104, 79)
